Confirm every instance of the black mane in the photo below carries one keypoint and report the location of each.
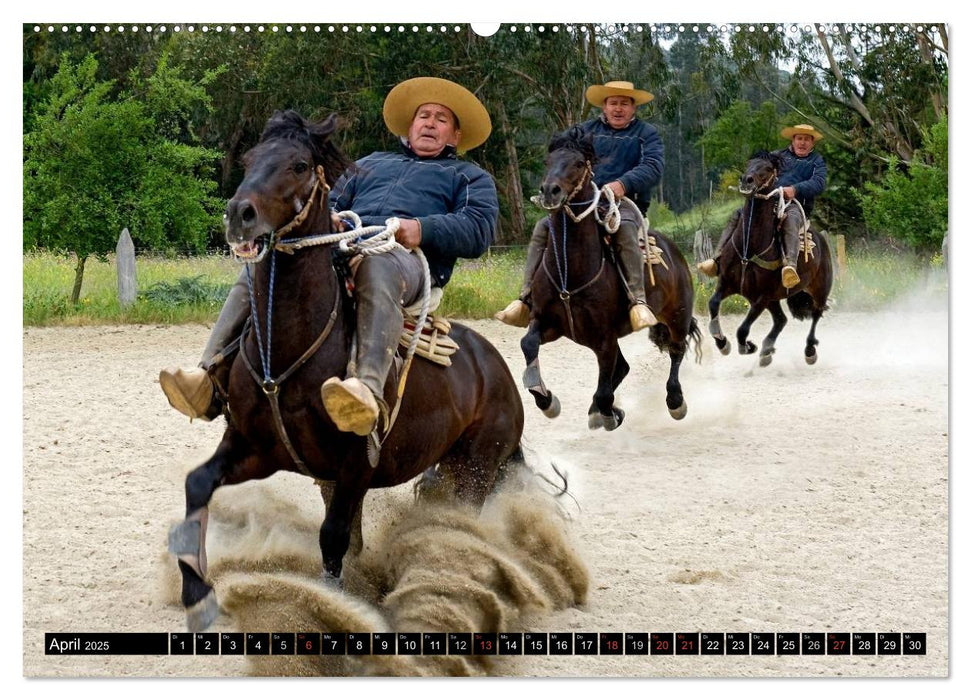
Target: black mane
(314, 135)
(771, 157)
(575, 140)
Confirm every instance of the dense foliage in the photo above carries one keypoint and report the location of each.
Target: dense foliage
(126, 138)
(96, 163)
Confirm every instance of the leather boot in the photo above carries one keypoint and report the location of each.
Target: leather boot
(632, 265)
(192, 391)
(517, 312)
(710, 266)
(383, 282)
(790, 250)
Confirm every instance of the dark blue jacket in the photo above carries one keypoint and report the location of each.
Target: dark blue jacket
(634, 155)
(454, 200)
(807, 175)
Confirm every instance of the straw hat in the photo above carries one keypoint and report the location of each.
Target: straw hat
(596, 94)
(791, 131)
(406, 97)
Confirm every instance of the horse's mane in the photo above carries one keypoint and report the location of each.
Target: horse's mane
(289, 124)
(771, 157)
(575, 140)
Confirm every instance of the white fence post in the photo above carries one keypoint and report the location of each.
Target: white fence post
(125, 261)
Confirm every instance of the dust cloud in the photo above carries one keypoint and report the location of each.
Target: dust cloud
(426, 567)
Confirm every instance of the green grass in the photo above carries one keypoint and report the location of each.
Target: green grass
(171, 290)
(191, 290)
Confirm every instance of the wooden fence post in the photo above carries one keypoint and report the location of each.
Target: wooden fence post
(125, 262)
(840, 255)
(702, 251)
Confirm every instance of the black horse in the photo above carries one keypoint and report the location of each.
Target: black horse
(577, 291)
(750, 263)
(467, 418)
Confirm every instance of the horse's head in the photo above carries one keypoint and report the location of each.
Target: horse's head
(761, 173)
(289, 171)
(569, 166)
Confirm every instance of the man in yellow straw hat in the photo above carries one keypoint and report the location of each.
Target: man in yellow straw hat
(803, 178)
(630, 160)
(447, 206)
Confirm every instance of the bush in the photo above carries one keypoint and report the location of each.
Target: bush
(911, 203)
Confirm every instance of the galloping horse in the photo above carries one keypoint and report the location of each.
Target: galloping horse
(467, 418)
(750, 262)
(577, 291)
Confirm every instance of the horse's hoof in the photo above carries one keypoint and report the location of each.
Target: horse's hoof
(725, 348)
(765, 360)
(613, 421)
(679, 412)
(331, 581)
(811, 359)
(553, 410)
(201, 615)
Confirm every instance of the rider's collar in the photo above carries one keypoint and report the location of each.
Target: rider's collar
(603, 118)
(448, 152)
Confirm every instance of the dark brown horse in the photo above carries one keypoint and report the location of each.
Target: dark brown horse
(750, 263)
(577, 291)
(467, 418)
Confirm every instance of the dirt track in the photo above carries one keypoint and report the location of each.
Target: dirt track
(791, 498)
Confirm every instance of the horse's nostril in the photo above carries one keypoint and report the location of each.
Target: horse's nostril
(248, 213)
(555, 190)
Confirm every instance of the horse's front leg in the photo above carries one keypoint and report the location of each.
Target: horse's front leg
(746, 346)
(532, 380)
(779, 321)
(335, 532)
(714, 325)
(187, 540)
(603, 413)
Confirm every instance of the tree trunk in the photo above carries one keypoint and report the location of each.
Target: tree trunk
(927, 56)
(514, 188)
(78, 278)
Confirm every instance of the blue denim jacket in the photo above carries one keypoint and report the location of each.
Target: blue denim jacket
(454, 200)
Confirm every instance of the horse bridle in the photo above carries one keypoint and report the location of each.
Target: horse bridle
(270, 384)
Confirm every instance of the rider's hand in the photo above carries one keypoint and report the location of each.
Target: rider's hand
(336, 223)
(409, 233)
(618, 188)
(789, 192)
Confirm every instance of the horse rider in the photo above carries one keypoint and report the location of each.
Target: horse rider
(447, 206)
(803, 178)
(630, 160)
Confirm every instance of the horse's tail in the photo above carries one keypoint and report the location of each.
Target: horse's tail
(801, 305)
(515, 473)
(694, 338)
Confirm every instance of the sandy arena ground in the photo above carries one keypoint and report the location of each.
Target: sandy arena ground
(790, 499)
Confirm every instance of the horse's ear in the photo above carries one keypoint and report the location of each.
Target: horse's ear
(776, 161)
(325, 152)
(324, 129)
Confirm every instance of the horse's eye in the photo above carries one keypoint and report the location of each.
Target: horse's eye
(300, 168)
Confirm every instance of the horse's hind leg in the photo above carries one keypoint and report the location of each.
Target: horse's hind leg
(532, 380)
(612, 364)
(356, 545)
(811, 341)
(779, 321)
(714, 325)
(677, 406)
(335, 532)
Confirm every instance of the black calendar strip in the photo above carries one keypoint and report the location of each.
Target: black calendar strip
(487, 643)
